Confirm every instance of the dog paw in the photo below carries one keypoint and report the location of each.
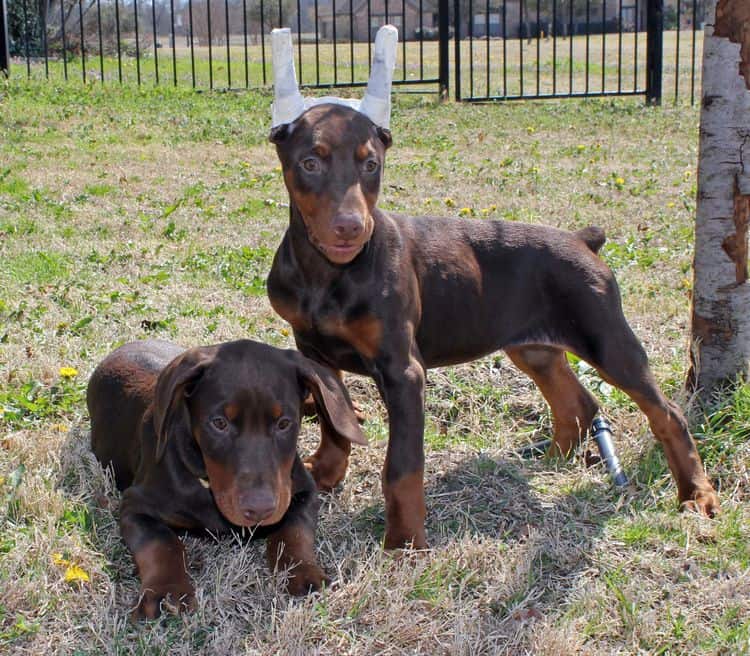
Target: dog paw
(306, 578)
(704, 502)
(171, 598)
(326, 473)
(399, 541)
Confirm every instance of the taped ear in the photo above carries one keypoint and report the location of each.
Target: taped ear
(280, 133)
(385, 136)
(331, 399)
(172, 387)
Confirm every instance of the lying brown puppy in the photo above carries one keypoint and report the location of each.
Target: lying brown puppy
(390, 296)
(206, 439)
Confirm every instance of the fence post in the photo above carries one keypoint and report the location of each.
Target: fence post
(654, 50)
(443, 52)
(457, 44)
(4, 43)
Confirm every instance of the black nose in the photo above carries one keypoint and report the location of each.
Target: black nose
(348, 226)
(257, 505)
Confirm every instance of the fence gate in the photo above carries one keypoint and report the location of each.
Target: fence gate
(484, 49)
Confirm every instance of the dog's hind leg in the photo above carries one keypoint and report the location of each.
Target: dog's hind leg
(621, 361)
(572, 405)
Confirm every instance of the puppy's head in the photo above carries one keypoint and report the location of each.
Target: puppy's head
(233, 413)
(333, 157)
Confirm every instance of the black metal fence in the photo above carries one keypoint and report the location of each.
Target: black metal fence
(483, 49)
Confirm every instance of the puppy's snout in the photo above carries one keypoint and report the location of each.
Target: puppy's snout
(348, 226)
(257, 504)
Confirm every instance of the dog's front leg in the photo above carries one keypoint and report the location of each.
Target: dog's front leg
(401, 385)
(292, 544)
(160, 558)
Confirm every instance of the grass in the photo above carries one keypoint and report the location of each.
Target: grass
(127, 213)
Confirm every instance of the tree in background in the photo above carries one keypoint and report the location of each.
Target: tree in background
(721, 291)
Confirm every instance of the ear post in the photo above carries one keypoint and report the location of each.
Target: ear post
(288, 102)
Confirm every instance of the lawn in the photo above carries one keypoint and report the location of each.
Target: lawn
(127, 214)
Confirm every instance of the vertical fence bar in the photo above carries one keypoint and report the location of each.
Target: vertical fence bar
(83, 43)
(654, 51)
(351, 39)
(619, 48)
(137, 45)
(263, 39)
(369, 36)
(229, 56)
(244, 40)
(4, 40)
(588, 42)
(487, 45)
(317, 48)
(421, 40)
(538, 45)
(692, 65)
(192, 39)
(456, 44)
(210, 46)
(101, 40)
(26, 38)
(444, 27)
(635, 47)
(119, 47)
(44, 41)
(174, 42)
(677, 56)
(604, 44)
(64, 41)
(156, 44)
(335, 58)
(570, 49)
(521, 33)
(505, 49)
(554, 47)
(299, 41)
(403, 38)
(471, 48)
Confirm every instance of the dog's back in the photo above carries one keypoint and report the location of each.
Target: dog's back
(119, 392)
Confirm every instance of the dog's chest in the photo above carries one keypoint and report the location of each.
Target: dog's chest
(333, 326)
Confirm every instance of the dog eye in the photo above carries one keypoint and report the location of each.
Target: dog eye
(283, 424)
(219, 423)
(371, 165)
(311, 164)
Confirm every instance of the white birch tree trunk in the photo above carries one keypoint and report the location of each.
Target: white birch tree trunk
(721, 291)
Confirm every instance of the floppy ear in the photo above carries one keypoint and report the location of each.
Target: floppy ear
(172, 387)
(331, 399)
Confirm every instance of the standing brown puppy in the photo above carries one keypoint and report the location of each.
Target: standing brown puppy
(389, 296)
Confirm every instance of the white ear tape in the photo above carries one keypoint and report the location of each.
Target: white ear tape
(377, 101)
(289, 103)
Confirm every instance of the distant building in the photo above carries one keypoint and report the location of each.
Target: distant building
(368, 17)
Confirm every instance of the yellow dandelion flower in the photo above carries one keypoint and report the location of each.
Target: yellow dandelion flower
(464, 211)
(59, 560)
(619, 181)
(68, 372)
(485, 211)
(493, 207)
(285, 332)
(75, 573)
(277, 169)
(670, 203)
(580, 147)
(687, 174)
(530, 129)
(449, 202)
